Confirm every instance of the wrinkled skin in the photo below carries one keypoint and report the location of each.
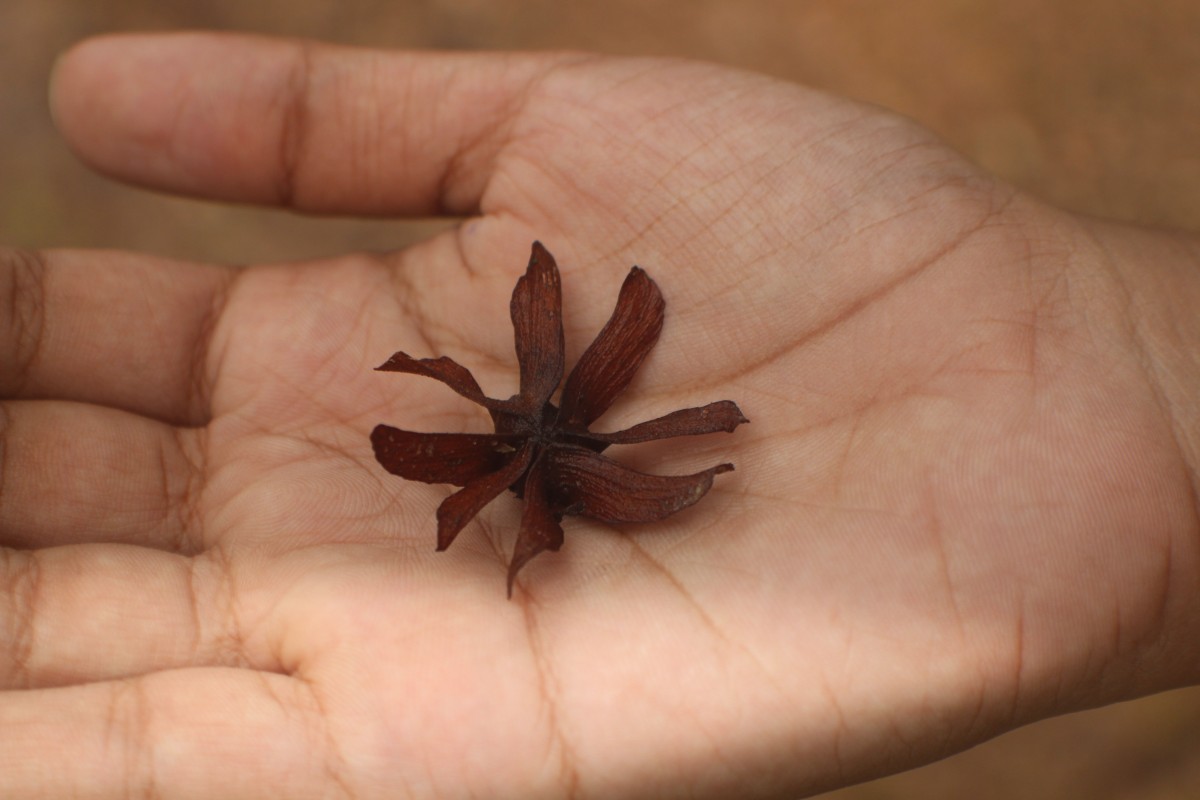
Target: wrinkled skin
(967, 499)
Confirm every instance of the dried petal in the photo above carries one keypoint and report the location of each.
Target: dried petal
(539, 525)
(612, 359)
(536, 310)
(723, 415)
(457, 458)
(460, 508)
(595, 486)
(443, 369)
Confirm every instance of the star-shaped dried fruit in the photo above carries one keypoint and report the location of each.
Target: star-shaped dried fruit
(545, 453)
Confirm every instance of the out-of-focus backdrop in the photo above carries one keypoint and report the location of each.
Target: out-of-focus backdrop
(1090, 104)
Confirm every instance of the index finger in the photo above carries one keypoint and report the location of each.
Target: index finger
(312, 126)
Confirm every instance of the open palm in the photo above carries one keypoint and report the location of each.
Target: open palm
(959, 502)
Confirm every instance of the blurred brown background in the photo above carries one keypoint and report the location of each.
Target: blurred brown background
(1090, 104)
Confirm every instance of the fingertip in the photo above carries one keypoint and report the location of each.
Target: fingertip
(91, 96)
(153, 109)
(71, 82)
(90, 87)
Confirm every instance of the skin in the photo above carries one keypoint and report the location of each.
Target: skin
(967, 498)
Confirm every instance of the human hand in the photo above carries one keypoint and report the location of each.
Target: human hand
(966, 499)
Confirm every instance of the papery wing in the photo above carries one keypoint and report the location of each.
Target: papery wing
(592, 485)
(456, 458)
(724, 415)
(443, 369)
(459, 508)
(612, 359)
(540, 528)
(536, 310)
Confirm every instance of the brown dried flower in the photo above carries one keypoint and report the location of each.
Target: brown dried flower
(545, 453)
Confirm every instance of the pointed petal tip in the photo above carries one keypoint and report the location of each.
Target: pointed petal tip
(448, 528)
(731, 412)
(516, 565)
(398, 356)
(735, 417)
(742, 418)
(636, 273)
(538, 254)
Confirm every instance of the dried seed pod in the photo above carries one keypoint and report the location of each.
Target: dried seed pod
(543, 453)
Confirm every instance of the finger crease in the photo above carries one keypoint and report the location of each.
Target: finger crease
(5, 423)
(129, 723)
(228, 643)
(334, 762)
(294, 125)
(200, 382)
(26, 321)
(404, 291)
(183, 504)
(194, 605)
(23, 577)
